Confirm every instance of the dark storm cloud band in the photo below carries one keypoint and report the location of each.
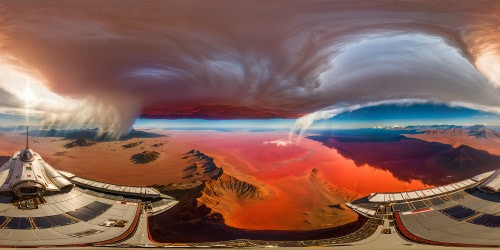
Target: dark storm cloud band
(259, 59)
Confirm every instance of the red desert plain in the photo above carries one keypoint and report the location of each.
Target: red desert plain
(301, 186)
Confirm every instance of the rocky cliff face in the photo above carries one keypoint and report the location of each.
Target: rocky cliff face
(205, 197)
(228, 184)
(145, 157)
(217, 184)
(208, 192)
(200, 167)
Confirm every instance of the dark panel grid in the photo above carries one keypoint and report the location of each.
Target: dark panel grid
(459, 212)
(52, 221)
(419, 205)
(19, 223)
(401, 207)
(99, 206)
(488, 220)
(43, 222)
(61, 220)
(90, 211)
(457, 195)
(2, 219)
(436, 201)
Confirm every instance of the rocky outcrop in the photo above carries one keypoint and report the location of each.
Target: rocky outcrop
(200, 214)
(200, 167)
(80, 142)
(225, 184)
(447, 132)
(485, 133)
(432, 132)
(145, 157)
(207, 189)
(157, 145)
(218, 184)
(133, 144)
(196, 218)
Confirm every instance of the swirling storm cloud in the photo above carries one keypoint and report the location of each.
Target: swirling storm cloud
(112, 61)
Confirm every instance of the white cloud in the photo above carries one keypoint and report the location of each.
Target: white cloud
(279, 142)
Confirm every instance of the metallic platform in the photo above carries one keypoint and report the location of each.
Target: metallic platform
(462, 214)
(43, 207)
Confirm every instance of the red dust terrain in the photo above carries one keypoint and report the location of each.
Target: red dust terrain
(255, 181)
(304, 181)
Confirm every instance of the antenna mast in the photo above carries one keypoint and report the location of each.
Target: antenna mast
(27, 99)
(27, 122)
(27, 136)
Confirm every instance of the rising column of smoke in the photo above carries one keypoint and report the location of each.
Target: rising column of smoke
(113, 116)
(112, 119)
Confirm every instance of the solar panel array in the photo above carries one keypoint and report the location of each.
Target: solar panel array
(456, 212)
(401, 207)
(419, 205)
(488, 220)
(457, 195)
(19, 223)
(85, 213)
(425, 203)
(436, 201)
(91, 211)
(2, 220)
(53, 221)
(459, 212)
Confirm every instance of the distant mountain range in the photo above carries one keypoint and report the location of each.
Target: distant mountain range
(485, 133)
(455, 128)
(90, 134)
(449, 132)
(478, 131)
(464, 158)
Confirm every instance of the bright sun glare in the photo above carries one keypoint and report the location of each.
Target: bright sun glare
(28, 95)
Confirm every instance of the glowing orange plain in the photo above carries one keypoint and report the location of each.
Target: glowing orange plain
(283, 171)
